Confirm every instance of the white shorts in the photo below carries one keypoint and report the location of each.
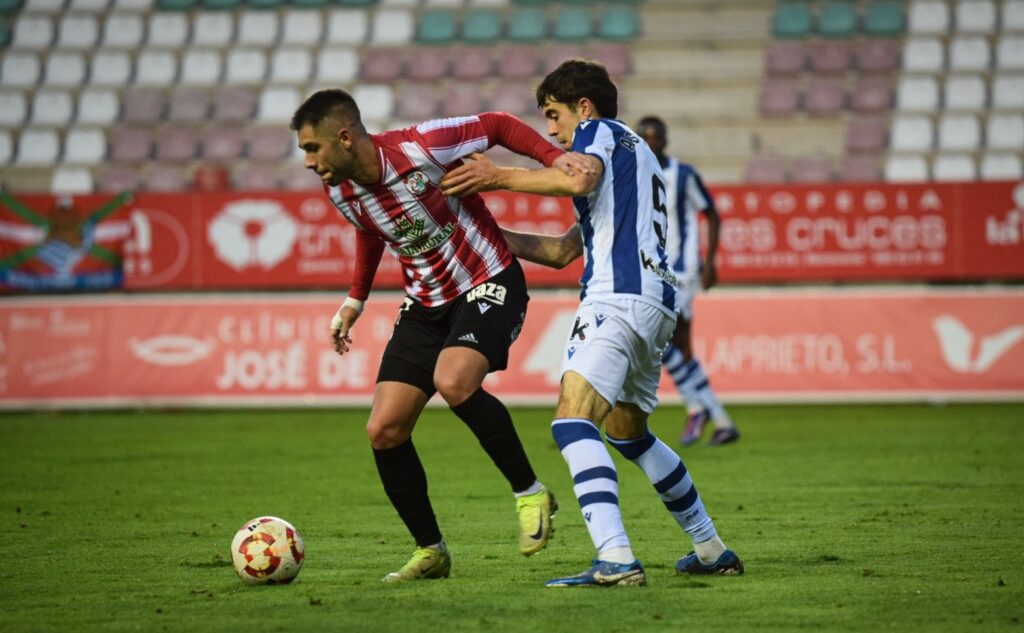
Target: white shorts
(689, 287)
(617, 347)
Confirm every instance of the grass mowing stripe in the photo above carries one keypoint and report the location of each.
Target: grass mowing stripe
(849, 518)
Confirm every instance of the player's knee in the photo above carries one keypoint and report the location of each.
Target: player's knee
(454, 389)
(384, 435)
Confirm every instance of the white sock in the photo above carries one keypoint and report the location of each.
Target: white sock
(596, 484)
(708, 551)
(532, 490)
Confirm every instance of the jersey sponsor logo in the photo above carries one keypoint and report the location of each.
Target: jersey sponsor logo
(430, 243)
(493, 292)
(416, 183)
(404, 227)
(648, 264)
(578, 331)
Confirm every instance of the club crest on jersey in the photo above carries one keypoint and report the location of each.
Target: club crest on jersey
(417, 183)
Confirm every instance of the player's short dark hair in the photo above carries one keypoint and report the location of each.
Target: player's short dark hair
(575, 79)
(653, 123)
(324, 104)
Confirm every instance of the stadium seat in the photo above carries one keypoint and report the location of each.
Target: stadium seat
(156, 68)
(376, 101)
(6, 147)
(514, 98)
(256, 177)
(527, 24)
(928, 16)
(37, 147)
(245, 66)
(214, 29)
(812, 168)
(884, 18)
(52, 107)
(451, 4)
(5, 32)
(259, 28)
(295, 177)
(837, 18)
(436, 27)
(830, 56)
(766, 168)
(1008, 92)
(43, 6)
(825, 96)
(860, 169)
(65, 68)
(278, 103)
(123, 30)
(969, 52)
(954, 168)
(1010, 52)
(911, 132)
(200, 67)
(88, 6)
(291, 65)
(118, 178)
(382, 65)
(779, 97)
(871, 93)
(98, 106)
(188, 105)
(337, 66)
(143, 105)
(143, 6)
(1013, 16)
(165, 178)
(221, 5)
(964, 92)
(958, 131)
(418, 102)
(19, 69)
(906, 169)
(223, 142)
(518, 62)
(347, 26)
(71, 180)
(467, 67)
(573, 23)
(785, 57)
(866, 135)
(130, 144)
(428, 64)
(1001, 166)
(618, 23)
(176, 143)
(1005, 131)
(976, 16)
(10, 7)
(176, 5)
(615, 57)
(392, 27)
(110, 68)
(877, 55)
(167, 30)
(302, 28)
(923, 54)
(13, 108)
(269, 142)
(554, 55)
(792, 19)
(234, 104)
(462, 100)
(78, 31)
(481, 26)
(32, 32)
(85, 146)
(917, 94)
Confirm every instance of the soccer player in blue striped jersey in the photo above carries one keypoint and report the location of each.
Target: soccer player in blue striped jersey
(627, 313)
(686, 198)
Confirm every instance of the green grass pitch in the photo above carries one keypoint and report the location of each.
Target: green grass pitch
(849, 518)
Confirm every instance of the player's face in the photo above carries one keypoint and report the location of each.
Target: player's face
(562, 121)
(324, 154)
(654, 140)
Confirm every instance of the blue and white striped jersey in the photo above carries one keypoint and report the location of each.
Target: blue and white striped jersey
(624, 220)
(687, 197)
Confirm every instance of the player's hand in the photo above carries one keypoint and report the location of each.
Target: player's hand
(709, 276)
(341, 324)
(478, 173)
(572, 163)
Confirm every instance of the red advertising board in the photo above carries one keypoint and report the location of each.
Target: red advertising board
(957, 344)
(963, 231)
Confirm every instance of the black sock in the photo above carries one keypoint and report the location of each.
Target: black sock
(405, 483)
(490, 421)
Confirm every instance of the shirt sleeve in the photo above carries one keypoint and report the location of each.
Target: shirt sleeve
(511, 133)
(697, 194)
(595, 139)
(369, 250)
(451, 139)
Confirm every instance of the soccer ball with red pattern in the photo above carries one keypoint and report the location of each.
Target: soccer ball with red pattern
(267, 550)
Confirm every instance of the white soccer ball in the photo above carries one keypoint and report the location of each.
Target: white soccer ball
(267, 550)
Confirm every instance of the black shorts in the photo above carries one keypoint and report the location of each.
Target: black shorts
(487, 318)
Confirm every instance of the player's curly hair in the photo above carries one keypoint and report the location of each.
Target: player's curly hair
(332, 103)
(575, 79)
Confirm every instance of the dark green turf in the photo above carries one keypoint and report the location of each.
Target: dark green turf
(849, 518)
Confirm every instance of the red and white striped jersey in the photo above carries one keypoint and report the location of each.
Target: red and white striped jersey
(445, 245)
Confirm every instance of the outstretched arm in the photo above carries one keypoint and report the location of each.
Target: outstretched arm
(369, 250)
(479, 173)
(554, 251)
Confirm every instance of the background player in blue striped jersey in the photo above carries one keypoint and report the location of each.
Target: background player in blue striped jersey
(686, 197)
(627, 314)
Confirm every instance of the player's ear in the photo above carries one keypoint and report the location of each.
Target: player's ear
(586, 108)
(345, 137)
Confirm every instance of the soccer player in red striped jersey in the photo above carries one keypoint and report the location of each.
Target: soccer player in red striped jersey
(465, 304)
